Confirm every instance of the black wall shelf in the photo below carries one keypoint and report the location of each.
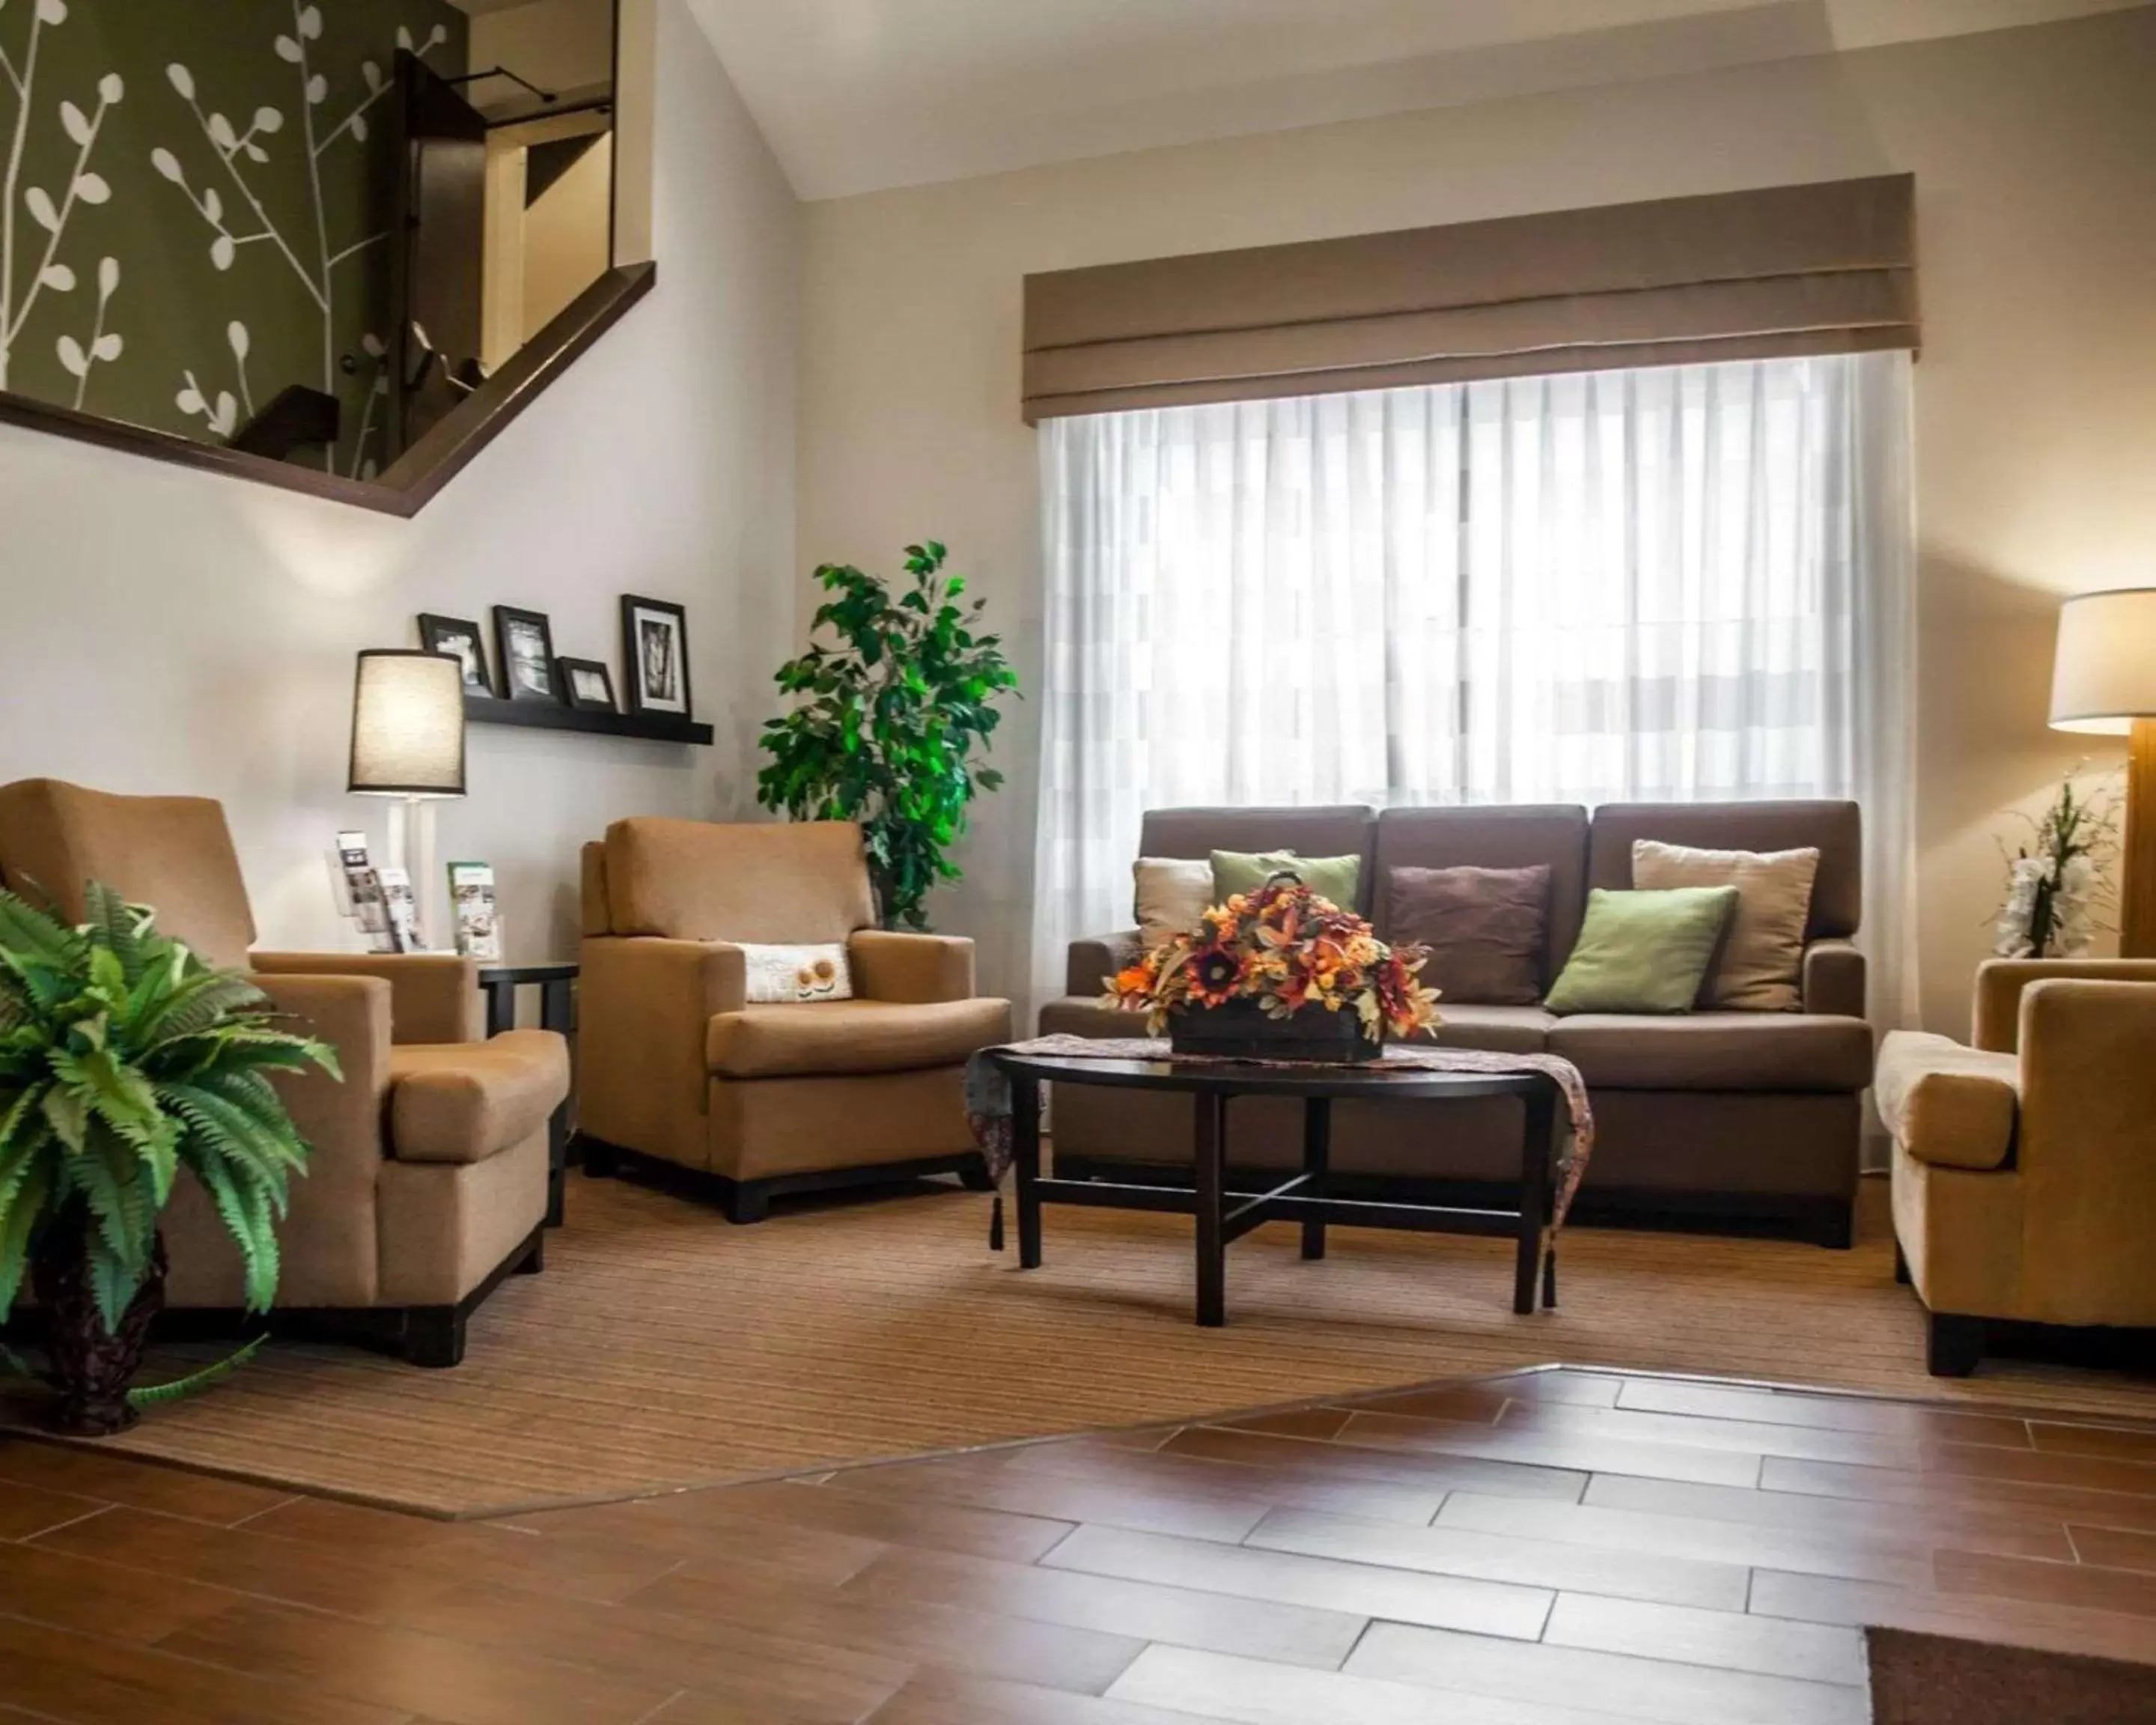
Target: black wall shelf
(549, 715)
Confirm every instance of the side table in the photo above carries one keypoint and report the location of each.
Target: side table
(555, 981)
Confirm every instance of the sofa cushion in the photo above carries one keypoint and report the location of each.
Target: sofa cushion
(835, 1038)
(464, 1101)
(1947, 1104)
(1716, 1051)
(1759, 957)
(1337, 878)
(1502, 1029)
(1643, 951)
(1173, 892)
(1485, 929)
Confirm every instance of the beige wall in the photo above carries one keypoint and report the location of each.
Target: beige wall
(170, 630)
(2036, 394)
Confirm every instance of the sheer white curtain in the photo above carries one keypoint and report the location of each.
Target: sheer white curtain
(1681, 583)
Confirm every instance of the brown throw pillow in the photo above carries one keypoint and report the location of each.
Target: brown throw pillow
(1756, 969)
(1485, 929)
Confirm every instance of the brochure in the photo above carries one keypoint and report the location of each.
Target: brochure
(472, 909)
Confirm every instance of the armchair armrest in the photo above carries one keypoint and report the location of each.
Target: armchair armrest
(1095, 958)
(912, 969)
(644, 1004)
(341, 1122)
(1947, 1105)
(434, 996)
(1833, 979)
(2000, 983)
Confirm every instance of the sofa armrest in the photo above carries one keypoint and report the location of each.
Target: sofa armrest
(340, 1121)
(2000, 983)
(1094, 959)
(1833, 979)
(434, 996)
(910, 969)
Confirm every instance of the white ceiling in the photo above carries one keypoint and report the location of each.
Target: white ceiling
(855, 96)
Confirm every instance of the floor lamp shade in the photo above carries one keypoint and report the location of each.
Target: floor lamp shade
(2103, 682)
(407, 725)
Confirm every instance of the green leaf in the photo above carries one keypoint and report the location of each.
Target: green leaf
(156, 1395)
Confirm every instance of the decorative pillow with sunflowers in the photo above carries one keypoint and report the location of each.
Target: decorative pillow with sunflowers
(789, 975)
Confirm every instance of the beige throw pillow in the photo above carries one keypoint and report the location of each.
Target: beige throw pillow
(1173, 892)
(1757, 968)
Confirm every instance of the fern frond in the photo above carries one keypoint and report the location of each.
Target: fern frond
(157, 1395)
(19, 1218)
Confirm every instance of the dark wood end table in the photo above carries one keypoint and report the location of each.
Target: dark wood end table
(1305, 1197)
(555, 981)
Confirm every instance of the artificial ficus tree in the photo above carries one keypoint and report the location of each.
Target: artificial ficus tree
(891, 715)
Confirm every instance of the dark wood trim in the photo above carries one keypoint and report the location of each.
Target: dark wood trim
(746, 1202)
(414, 479)
(552, 716)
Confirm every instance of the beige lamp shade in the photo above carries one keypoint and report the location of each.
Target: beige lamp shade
(407, 725)
(2104, 676)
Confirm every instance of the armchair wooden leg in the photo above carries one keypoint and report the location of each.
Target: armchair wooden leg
(1956, 1345)
(1900, 1264)
(974, 1176)
(602, 1161)
(434, 1336)
(745, 1201)
(534, 1261)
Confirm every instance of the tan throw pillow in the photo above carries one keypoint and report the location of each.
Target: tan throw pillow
(1173, 892)
(792, 975)
(1757, 968)
(1485, 929)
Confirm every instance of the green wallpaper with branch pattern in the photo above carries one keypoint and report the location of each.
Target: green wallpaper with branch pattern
(196, 205)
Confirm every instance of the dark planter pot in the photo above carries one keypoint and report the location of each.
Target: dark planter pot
(92, 1369)
(1240, 1030)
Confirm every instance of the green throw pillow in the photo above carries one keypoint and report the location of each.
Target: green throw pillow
(1643, 951)
(1334, 877)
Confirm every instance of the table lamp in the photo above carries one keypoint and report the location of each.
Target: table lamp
(2103, 683)
(408, 741)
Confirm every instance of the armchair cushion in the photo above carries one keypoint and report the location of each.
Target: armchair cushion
(434, 997)
(840, 1038)
(1948, 1105)
(464, 1101)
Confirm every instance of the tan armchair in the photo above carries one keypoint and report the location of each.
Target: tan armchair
(2025, 1166)
(428, 1181)
(679, 1067)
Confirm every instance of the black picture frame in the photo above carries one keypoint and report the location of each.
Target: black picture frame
(461, 638)
(522, 671)
(570, 672)
(656, 684)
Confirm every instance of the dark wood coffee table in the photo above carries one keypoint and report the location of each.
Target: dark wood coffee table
(1306, 1197)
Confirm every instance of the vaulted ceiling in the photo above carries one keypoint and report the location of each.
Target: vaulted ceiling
(859, 95)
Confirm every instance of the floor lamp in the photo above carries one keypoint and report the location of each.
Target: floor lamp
(407, 743)
(2103, 683)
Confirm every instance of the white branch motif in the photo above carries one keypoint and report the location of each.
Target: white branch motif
(84, 186)
(310, 257)
(104, 345)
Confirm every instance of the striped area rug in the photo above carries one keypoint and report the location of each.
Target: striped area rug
(663, 1349)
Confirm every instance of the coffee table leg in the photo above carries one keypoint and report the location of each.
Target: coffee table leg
(1316, 1158)
(1025, 1156)
(1534, 1196)
(1208, 1160)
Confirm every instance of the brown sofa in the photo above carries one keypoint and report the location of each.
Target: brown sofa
(1705, 1116)
(2025, 1166)
(428, 1180)
(678, 1068)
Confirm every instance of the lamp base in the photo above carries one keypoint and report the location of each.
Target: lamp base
(2137, 887)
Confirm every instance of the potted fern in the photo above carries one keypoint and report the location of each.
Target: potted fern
(125, 1058)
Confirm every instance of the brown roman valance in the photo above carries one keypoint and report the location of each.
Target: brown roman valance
(1791, 270)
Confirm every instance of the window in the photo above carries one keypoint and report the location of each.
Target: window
(1681, 583)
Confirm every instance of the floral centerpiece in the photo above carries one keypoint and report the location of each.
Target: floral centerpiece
(1278, 973)
(2057, 880)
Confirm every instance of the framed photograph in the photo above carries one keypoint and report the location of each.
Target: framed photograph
(461, 639)
(587, 686)
(655, 641)
(524, 643)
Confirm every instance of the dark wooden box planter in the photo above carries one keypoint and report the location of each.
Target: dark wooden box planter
(1240, 1030)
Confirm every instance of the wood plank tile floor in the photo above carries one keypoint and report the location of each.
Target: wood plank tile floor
(1554, 1547)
